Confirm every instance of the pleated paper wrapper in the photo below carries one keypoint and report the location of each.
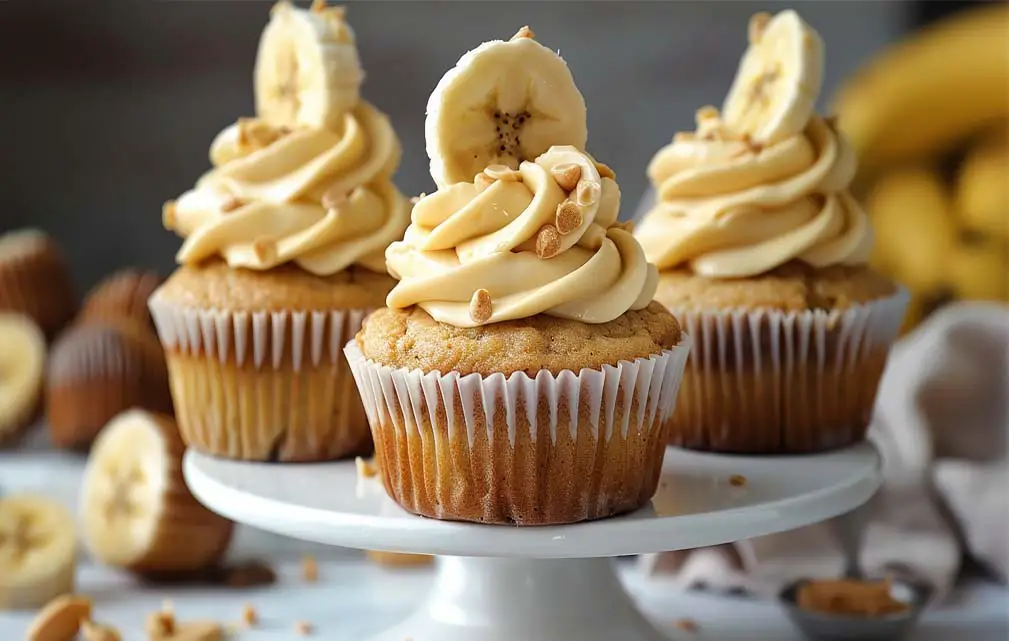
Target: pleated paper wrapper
(773, 382)
(264, 385)
(521, 450)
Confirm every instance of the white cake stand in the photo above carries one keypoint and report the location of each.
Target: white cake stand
(500, 583)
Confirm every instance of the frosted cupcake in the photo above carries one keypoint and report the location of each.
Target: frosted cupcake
(763, 257)
(521, 373)
(283, 255)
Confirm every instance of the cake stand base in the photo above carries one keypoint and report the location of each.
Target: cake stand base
(488, 599)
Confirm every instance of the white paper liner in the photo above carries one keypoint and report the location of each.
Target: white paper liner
(827, 345)
(259, 336)
(653, 381)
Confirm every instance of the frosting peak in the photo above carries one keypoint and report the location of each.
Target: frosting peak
(515, 243)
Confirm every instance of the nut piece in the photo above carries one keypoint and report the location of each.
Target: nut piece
(365, 468)
(706, 113)
(568, 217)
(334, 199)
(231, 204)
(687, 625)
(309, 569)
(757, 26)
(60, 619)
(168, 215)
(605, 171)
(304, 628)
(92, 631)
(265, 249)
(548, 242)
(160, 624)
(194, 631)
(524, 32)
(567, 175)
(249, 615)
(587, 193)
(502, 172)
(397, 559)
(737, 480)
(481, 307)
(482, 182)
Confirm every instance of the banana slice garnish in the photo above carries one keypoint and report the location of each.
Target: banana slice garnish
(136, 510)
(308, 72)
(38, 551)
(22, 368)
(502, 103)
(776, 87)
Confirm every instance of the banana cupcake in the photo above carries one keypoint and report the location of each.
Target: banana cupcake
(763, 258)
(521, 373)
(283, 254)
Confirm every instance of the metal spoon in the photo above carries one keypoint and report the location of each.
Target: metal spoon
(817, 626)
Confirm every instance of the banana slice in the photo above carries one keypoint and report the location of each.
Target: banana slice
(38, 551)
(502, 103)
(22, 367)
(774, 93)
(307, 69)
(136, 510)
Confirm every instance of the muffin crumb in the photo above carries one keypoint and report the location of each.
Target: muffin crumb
(687, 625)
(304, 628)
(737, 480)
(250, 617)
(309, 569)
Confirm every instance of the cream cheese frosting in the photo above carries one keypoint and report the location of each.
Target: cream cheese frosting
(542, 239)
(318, 197)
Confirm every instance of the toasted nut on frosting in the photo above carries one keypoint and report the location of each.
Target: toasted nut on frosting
(265, 249)
(587, 193)
(482, 181)
(481, 307)
(757, 26)
(567, 175)
(568, 217)
(168, 215)
(231, 204)
(548, 242)
(334, 199)
(524, 32)
(706, 113)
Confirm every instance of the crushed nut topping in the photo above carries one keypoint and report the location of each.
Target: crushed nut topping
(524, 32)
(568, 217)
(567, 175)
(481, 307)
(548, 242)
(587, 193)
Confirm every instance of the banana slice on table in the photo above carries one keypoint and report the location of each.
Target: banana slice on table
(22, 368)
(308, 72)
(774, 93)
(136, 510)
(502, 103)
(38, 551)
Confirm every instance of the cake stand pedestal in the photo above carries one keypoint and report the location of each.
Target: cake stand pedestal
(556, 583)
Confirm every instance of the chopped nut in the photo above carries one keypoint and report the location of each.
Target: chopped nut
(502, 172)
(605, 171)
(309, 569)
(548, 242)
(706, 113)
(304, 628)
(482, 181)
(231, 204)
(248, 575)
(567, 175)
(396, 559)
(587, 193)
(168, 215)
(334, 199)
(481, 308)
(568, 217)
(265, 250)
(92, 631)
(60, 619)
(686, 625)
(737, 480)
(757, 26)
(365, 469)
(524, 32)
(160, 624)
(249, 615)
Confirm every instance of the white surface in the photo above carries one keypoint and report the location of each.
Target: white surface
(694, 506)
(566, 592)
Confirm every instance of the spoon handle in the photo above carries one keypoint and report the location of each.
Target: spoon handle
(850, 530)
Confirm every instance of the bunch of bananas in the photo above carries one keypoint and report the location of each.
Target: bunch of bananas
(929, 119)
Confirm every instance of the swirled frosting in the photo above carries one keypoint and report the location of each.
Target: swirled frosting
(729, 208)
(543, 239)
(321, 198)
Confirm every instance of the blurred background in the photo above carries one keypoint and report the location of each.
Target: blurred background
(108, 109)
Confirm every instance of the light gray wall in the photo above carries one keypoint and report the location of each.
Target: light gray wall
(108, 109)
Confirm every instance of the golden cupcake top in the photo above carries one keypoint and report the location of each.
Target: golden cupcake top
(308, 180)
(765, 180)
(524, 221)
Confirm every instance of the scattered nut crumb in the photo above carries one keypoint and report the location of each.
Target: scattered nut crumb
(396, 559)
(737, 480)
(482, 182)
(365, 468)
(304, 628)
(567, 175)
(481, 307)
(524, 32)
(249, 615)
(60, 619)
(686, 625)
(160, 624)
(195, 631)
(587, 193)
(548, 242)
(309, 569)
(91, 631)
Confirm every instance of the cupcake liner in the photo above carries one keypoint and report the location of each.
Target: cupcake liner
(772, 382)
(36, 282)
(97, 371)
(263, 385)
(521, 450)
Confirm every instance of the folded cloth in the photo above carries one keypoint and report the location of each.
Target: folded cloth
(941, 425)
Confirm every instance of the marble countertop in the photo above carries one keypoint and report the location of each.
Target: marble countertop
(355, 598)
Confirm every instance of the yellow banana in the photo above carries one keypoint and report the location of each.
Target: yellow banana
(982, 195)
(922, 96)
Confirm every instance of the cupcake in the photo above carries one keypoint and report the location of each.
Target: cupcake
(34, 279)
(763, 255)
(521, 373)
(283, 255)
